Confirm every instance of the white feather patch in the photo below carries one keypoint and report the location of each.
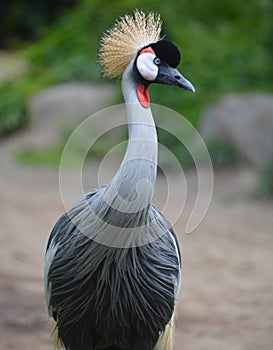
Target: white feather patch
(146, 66)
(47, 285)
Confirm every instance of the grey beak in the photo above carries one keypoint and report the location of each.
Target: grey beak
(171, 76)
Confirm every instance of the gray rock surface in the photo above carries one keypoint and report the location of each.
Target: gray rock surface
(64, 106)
(245, 121)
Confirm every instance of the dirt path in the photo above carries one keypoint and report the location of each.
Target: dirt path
(227, 291)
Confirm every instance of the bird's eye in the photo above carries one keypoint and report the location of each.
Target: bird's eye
(157, 61)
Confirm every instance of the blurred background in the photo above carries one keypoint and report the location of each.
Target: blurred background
(50, 81)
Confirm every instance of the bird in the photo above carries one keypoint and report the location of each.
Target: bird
(112, 271)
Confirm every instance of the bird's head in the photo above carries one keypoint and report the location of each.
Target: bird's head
(136, 39)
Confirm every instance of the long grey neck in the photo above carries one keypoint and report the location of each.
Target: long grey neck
(132, 188)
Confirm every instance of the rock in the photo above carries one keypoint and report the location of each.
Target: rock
(63, 107)
(68, 103)
(245, 121)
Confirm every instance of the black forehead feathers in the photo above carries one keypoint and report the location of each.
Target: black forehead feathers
(167, 51)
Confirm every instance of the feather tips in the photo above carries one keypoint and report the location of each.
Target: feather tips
(121, 43)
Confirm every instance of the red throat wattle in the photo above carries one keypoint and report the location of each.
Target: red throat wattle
(143, 96)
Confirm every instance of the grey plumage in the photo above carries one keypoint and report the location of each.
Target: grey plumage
(111, 296)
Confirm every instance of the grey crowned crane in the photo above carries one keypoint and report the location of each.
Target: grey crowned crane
(112, 264)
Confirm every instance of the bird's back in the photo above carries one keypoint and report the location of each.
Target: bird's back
(110, 298)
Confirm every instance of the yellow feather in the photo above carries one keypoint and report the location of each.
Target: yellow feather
(165, 341)
(58, 345)
(121, 43)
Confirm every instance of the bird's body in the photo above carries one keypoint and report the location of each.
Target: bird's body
(112, 267)
(112, 296)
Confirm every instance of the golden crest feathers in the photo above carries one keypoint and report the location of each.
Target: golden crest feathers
(121, 43)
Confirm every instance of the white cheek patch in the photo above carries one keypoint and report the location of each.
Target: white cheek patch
(146, 66)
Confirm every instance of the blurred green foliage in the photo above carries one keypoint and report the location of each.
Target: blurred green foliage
(226, 46)
(49, 156)
(28, 20)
